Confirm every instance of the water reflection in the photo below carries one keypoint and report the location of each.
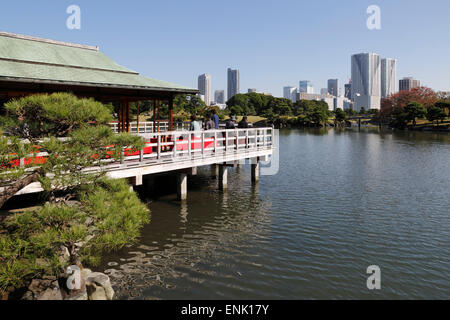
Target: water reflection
(341, 201)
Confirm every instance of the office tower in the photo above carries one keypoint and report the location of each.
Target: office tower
(366, 81)
(204, 86)
(219, 96)
(233, 82)
(333, 87)
(306, 87)
(251, 90)
(388, 77)
(290, 93)
(348, 91)
(406, 84)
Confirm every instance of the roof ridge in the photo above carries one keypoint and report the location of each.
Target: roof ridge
(67, 66)
(55, 42)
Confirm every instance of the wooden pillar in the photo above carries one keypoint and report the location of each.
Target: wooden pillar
(119, 118)
(171, 113)
(255, 172)
(157, 113)
(124, 115)
(138, 115)
(182, 186)
(223, 177)
(128, 127)
(154, 115)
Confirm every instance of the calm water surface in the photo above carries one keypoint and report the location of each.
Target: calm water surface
(342, 201)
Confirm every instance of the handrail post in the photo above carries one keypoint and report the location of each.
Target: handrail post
(190, 145)
(246, 138)
(159, 147)
(215, 142)
(174, 145)
(203, 144)
(226, 140)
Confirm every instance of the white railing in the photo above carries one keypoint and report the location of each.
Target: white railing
(181, 146)
(147, 126)
(187, 145)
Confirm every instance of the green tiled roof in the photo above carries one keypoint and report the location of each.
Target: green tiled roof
(32, 59)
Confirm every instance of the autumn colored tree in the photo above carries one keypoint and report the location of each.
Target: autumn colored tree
(393, 107)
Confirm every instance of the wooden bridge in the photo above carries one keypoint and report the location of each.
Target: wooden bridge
(184, 151)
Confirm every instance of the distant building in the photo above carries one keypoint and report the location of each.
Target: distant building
(348, 91)
(342, 103)
(204, 86)
(406, 84)
(309, 96)
(306, 86)
(324, 91)
(290, 93)
(333, 87)
(221, 106)
(252, 90)
(233, 83)
(388, 77)
(366, 81)
(219, 96)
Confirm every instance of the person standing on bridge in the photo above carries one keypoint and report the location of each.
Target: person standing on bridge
(195, 126)
(215, 118)
(231, 123)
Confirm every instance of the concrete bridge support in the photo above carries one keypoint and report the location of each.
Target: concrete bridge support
(214, 171)
(182, 186)
(223, 177)
(255, 170)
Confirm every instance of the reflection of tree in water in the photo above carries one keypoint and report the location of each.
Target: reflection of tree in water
(183, 242)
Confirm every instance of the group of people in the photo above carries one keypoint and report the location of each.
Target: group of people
(213, 123)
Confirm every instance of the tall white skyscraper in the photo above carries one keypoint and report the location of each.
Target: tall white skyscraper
(366, 81)
(306, 87)
(333, 87)
(233, 82)
(204, 86)
(290, 93)
(388, 77)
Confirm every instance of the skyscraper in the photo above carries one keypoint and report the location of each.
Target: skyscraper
(406, 84)
(290, 93)
(219, 96)
(204, 86)
(306, 86)
(388, 77)
(233, 82)
(366, 81)
(348, 91)
(333, 87)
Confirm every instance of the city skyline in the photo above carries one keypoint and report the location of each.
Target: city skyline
(268, 70)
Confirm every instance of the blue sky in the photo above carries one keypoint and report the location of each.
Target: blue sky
(273, 43)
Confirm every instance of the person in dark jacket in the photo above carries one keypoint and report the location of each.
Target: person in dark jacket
(243, 124)
(231, 123)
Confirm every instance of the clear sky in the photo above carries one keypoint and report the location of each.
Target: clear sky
(273, 43)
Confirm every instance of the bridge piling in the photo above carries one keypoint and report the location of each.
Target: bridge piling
(223, 177)
(182, 186)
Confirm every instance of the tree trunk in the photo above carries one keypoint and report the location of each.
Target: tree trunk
(18, 185)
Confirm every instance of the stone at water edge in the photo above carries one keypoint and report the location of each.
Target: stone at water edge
(96, 280)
